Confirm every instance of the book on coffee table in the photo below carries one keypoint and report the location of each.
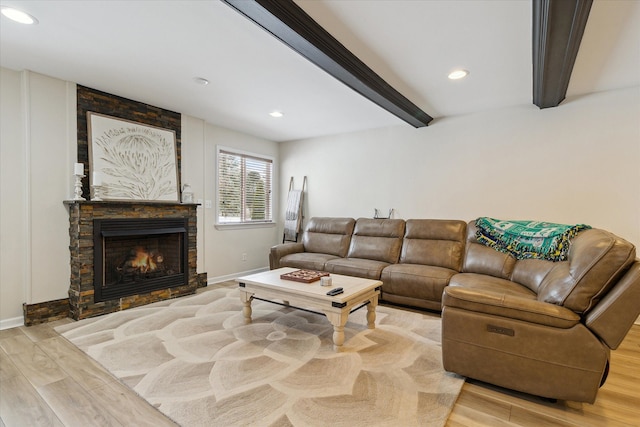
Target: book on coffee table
(304, 276)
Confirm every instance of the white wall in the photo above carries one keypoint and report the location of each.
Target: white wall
(576, 163)
(13, 182)
(193, 165)
(220, 250)
(38, 148)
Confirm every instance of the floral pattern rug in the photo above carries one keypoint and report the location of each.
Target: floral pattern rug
(196, 360)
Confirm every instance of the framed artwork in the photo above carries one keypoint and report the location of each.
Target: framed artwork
(132, 161)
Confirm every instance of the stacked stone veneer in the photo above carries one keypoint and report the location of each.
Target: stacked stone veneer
(81, 216)
(81, 292)
(92, 100)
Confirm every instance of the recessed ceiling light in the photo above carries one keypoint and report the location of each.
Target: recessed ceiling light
(276, 114)
(201, 81)
(458, 74)
(18, 15)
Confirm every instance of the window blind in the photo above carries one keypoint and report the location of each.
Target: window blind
(244, 188)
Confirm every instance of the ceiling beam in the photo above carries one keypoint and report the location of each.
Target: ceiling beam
(558, 26)
(294, 27)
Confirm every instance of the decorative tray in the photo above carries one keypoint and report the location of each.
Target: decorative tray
(304, 276)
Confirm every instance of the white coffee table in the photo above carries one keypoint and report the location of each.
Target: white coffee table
(357, 291)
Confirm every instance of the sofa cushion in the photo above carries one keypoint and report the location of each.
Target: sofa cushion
(509, 306)
(367, 268)
(377, 239)
(306, 260)
(482, 259)
(483, 282)
(416, 281)
(328, 235)
(597, 260)
(434, 242)
(531, 272)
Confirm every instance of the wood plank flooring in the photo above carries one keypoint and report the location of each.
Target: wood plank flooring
(46, 381)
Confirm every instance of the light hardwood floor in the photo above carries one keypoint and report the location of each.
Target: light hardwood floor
(46, 381)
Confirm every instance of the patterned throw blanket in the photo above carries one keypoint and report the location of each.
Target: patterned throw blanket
(528, 239)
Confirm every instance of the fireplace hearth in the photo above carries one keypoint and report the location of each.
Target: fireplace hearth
(127, 254)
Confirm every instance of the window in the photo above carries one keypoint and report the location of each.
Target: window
(244, 188)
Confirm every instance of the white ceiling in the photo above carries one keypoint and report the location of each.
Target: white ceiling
(150, 51)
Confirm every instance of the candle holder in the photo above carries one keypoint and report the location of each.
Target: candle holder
(78, 187)
(97, 192)
(187, 194)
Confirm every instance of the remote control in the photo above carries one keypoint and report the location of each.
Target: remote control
(335, 291)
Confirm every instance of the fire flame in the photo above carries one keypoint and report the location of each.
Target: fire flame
(143, 261)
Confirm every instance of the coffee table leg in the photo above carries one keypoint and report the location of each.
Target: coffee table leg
(338, 320)
(246, 298)
(371, 312)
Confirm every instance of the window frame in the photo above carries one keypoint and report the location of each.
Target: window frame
(220, 149)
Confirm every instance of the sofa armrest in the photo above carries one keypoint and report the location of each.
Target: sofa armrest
(612, 318)
(279, 251)
(509, 306)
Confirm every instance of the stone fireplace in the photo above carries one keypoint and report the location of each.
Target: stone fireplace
(127, 254)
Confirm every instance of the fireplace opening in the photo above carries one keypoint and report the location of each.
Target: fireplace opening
(136, 256)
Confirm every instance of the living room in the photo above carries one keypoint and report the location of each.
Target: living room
(575, 163)
(571, 164)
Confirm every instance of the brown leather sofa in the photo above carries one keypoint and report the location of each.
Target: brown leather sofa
(540, 327)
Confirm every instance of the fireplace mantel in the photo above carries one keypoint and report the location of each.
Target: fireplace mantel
(127, 203)
(81, 221)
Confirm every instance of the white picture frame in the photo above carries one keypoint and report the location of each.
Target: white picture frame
(133, 161)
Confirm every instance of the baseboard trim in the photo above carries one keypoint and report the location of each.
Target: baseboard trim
(11, 323)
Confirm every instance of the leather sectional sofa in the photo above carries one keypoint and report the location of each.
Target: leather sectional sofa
(540, 327)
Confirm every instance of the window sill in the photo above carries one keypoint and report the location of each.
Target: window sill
(244, 226)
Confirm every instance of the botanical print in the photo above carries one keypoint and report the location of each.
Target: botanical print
(136, 162)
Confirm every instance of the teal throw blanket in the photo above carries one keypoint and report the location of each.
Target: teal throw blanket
(528, 239)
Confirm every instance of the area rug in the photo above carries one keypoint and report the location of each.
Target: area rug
(196, 360)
